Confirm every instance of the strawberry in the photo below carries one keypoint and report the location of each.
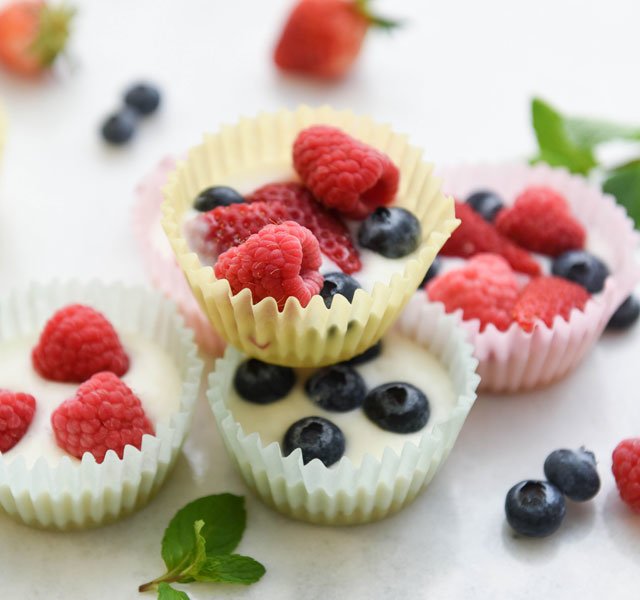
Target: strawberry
(32, 35)
(323, 37)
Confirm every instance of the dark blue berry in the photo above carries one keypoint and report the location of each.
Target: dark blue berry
(143, 98)
(393, 232)
(626, 315)
(369, 354)
(119, 127)
(338, 283)
(217, 195)
(317, 438)
(337, 388)
(582, 268)
(574, 473)
(534, 508)
(262, 383)
(434, 269)
(398, 407)
(486, 203)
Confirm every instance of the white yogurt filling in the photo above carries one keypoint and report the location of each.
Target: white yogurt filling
(401, 359)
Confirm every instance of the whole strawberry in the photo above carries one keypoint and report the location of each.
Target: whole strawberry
(32, 35)
(323, 38)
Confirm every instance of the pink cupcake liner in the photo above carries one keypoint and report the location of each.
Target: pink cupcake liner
(159, 259)
(515, 360)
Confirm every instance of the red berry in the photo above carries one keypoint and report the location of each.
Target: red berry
(540, 221)
(104, 415)
(626, 470)
(545, 297)
(76, 343)
(278, 262)
(16, 414)
(332, 234)
(475, 235)
(343, 173)
(485, 288)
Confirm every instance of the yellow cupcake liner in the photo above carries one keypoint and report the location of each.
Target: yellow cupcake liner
(314, 335)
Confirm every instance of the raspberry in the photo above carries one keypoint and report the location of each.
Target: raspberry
(16, 414)
(475, 235)
(343, 173)
(332, 234)
(545, 297)
(540, 221)
(76, 343)
(279, 261)
(626, 470)
(104, 415)
(485, 288)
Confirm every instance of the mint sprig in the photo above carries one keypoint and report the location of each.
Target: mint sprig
(197, 546)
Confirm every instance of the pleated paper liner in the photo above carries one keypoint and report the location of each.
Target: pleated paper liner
(76, 494)
(314, 335)
(346, 493)
(514, 360)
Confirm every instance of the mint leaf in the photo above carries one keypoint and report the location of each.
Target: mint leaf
(166, 592)
(230, 568)
(196, 557)
(588, 133)
(224, 519)
(624, 184)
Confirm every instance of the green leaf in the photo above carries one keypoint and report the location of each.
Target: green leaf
(166, 592)
(224, 519)
(230, 568)
(196, 557)
(624, 184)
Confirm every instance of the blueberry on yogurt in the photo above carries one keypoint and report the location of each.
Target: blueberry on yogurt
(392, 231)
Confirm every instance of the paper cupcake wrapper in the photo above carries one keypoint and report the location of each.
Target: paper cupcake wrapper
(314, 335)
(514, 360)
(159, 260)
(347, 494)
(77, 494)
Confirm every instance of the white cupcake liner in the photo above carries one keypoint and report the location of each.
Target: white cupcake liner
(515, 360)
(78, 494)
(346, 494)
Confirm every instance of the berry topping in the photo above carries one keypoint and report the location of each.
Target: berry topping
(626, 314)
(76, 343)
(16, 414)
(104, 415)
(487, 204)
(474, 235)
(144, 98)
(626, 470)
(337, 388)
(540, 220)
(369, 354)
(545, 297)
(535, 508)
(217, 195)
(280, 261)
(398, 407)
(433, 270)
(582, 268)
(343, 173)
(119, 127)
(338, 283)
(485, 288)
(393, 232)
(317, 438)
(262, 383)
(574, 473)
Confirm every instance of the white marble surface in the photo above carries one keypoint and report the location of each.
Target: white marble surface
(458, 79)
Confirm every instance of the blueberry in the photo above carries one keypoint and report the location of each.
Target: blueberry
(262, 383)
(143, 98)
(574, 473)
(393, 232)
(398, 407)
(119, 127)
(369, 354)
(534, 508)
(626, 315)
(217, 195)
(338, 388)
(486, 203)
(317, 438)
(582, 268)
(434, 269)
(338, 283)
